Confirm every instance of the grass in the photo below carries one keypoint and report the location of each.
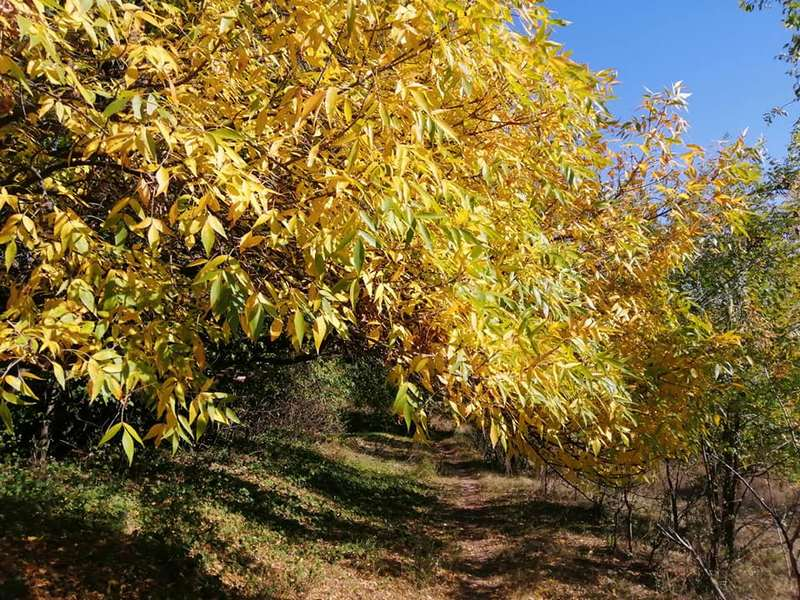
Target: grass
(262, 519)
(359, 516)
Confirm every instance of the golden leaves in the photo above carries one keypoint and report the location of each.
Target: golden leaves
(319, 330)
(421, 178)
(299, 330)
(162, 178)
(275, 329)
(309, 105)
(208, 233)
(331, 102)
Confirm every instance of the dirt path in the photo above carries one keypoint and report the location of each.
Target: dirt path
(476, 527)
(507, 542)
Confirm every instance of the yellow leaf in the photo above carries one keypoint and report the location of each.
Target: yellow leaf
(250, 240)
(319, 329)
(374, 334)
(110, 433)
(261, 121)
(162, 178)
(312, 156)
(420, 99)
(275, 329)
(331, 100)
(153, 234)
(208, 237)
(199, 352)
(215, 224)
(309, 105)
(446, 129)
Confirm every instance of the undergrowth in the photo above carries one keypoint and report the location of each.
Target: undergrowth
(255, 519)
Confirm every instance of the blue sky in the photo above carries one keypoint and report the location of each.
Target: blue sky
(725, 57)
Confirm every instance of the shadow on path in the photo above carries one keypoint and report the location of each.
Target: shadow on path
(512, 544)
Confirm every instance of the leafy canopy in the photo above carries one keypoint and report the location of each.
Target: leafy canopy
(418, 175)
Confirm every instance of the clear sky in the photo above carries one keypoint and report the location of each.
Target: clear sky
(725, 57)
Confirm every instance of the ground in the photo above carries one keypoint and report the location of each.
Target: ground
(364, 516)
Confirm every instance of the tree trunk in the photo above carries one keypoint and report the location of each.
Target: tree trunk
(42, 444)
(729, 492)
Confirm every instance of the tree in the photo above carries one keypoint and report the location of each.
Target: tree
(418, 175)
(791, 55)
(749, 284)
(791, 20)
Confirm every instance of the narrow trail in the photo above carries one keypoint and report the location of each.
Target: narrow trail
(512, 544)
(477, 528)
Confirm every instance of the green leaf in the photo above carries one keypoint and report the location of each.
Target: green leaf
(358, 255)
(58, 371)
(12, 398)
(127, 445)
(150, 145)
(402, 404)
(87, 298)
(232, 418)
(425, 234)
(299, 326)
(319, 263)
(215, 294)
(5, 415)
(355, 293)
(133, 433)
(109, 434)
(226, 133)
(208, 237)
(256, 321)
(116, 105)
(351, 16)
(11, 253)
(200, 426)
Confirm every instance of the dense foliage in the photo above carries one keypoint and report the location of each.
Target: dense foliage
(418, 176)
(748, 284)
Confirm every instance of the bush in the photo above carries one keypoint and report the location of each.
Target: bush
(273, 389)
(327, 395)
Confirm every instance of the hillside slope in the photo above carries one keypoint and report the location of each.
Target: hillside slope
(367, 516)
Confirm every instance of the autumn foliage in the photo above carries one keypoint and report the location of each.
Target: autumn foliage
(435, 177)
